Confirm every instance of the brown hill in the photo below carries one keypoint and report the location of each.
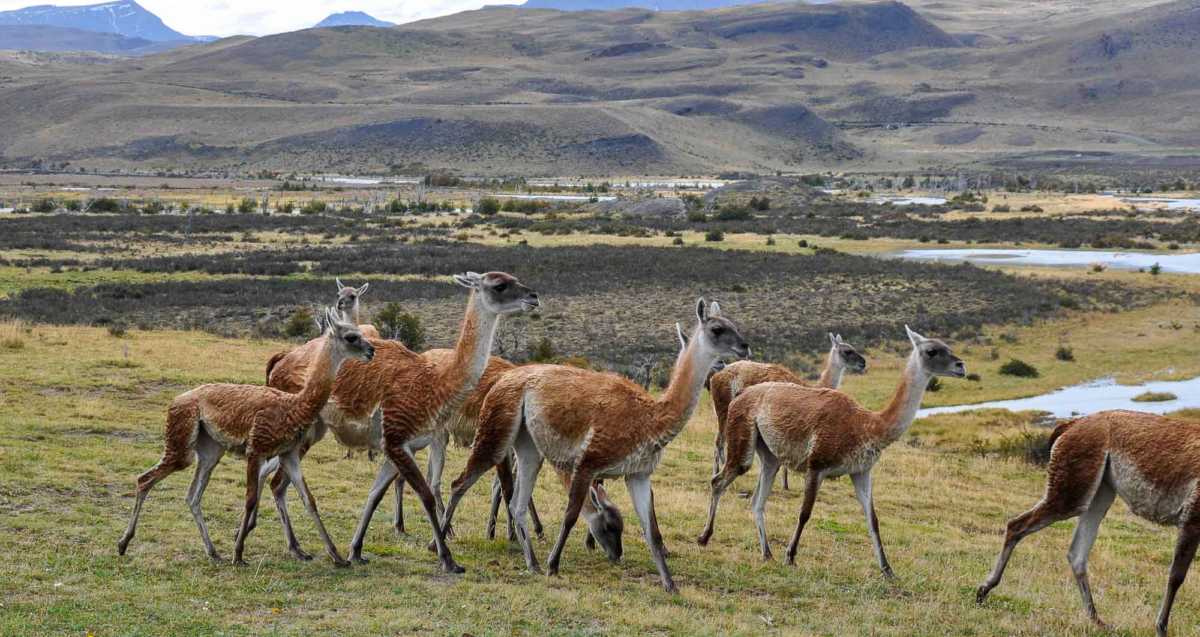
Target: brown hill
(786, 86)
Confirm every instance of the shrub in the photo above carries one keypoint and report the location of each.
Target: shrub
(935, 384)
(488, 206)
(1154, 397)
(677, 241)
(697, 216)
(247, 205)
(733, 213)
(542, 351)
(803, 243)
(1155, 269)
(1001, 208)
(398, 325)
(974, 378)
(1018, 367)
(44, 205)
(105, 204)
(714, 235)
(314, 207)
(117, 329)
(1064, 353)
(770, 240)
(299, 324)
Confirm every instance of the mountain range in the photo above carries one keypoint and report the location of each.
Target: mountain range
(122, 27)
(788, 86)
(654, 5)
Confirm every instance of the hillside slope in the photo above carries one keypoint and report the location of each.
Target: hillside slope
(785, 86)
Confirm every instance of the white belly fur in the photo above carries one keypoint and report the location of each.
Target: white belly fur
(1164, 506)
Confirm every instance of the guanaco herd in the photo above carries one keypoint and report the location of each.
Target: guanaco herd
(377, 395)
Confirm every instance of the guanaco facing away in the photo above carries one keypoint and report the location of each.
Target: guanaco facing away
(260, 423)
(1152, 462)
(823, 433)
(592, 425)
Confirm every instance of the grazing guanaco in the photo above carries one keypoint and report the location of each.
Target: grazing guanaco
(592, 425)
(726, 384)
(412, 394)
(260, 423)
(1152, 462)
(825, 434)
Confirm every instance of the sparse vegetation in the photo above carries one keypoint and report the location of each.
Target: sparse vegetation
(1065, 354)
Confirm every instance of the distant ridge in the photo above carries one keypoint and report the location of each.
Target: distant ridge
(125, 18)
(654, 5)
(352, 19)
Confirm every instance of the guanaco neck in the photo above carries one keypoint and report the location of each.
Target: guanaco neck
(473, 348)
(319, 384)
(675, 406)
(352, 317)
(895, 419)
(831, 375)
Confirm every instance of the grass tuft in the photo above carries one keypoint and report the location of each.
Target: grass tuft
(1154, 397)
(12, 335)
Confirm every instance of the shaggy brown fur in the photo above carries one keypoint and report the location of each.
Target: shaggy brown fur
(823, 433)
(592, 425)
(414, 395)
(257, 422)
(726, 384)
(1152, 462)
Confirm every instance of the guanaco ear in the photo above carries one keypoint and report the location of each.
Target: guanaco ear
(339, 283)
(840, 340)
(683, 340)
(469, 279)
(332, 318)
(833, 340)
(701, 310)
(597, 499)
(915, 338)
(715, 310)
(363, 289)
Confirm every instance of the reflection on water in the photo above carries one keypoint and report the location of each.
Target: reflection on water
(1089, 398)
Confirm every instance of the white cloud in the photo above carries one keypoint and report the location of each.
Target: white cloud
(260, 17)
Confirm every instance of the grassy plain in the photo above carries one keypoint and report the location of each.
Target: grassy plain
(82, 412)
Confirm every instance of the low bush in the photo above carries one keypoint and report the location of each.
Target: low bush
(1018, 367)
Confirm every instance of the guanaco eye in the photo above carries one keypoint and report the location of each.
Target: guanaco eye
(718, 330)
(352, 338)
(501, 286)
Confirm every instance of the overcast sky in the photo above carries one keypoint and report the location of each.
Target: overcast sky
(260, 17)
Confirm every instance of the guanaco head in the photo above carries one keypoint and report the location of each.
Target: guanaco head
(605, 522)
(718, 333)
(499, 292)
(846, 356)
(717, 366)
(348, 342)
(935, 356)
(347, 298)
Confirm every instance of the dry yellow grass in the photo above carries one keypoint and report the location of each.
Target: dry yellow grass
(75, 429)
